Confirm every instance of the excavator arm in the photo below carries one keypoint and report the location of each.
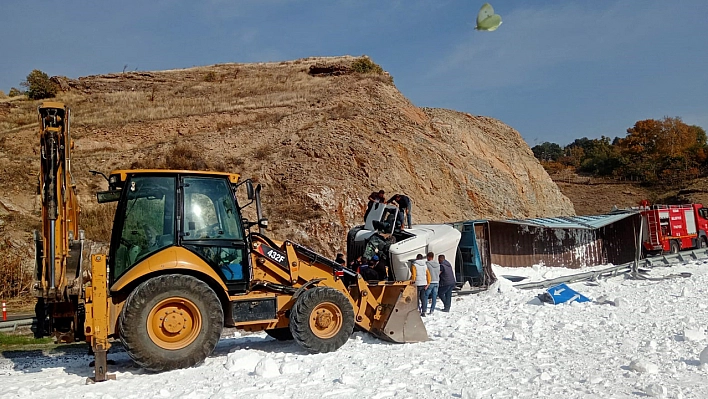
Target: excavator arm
(59, 243)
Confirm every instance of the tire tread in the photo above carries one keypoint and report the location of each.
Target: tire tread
(132, 324)
(300, 314)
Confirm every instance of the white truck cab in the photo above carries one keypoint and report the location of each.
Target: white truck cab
(420, 239)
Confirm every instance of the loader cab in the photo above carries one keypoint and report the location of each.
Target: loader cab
(162, 209)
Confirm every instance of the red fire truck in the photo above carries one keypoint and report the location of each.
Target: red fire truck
(673, 228)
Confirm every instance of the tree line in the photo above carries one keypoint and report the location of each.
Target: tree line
(665, 151)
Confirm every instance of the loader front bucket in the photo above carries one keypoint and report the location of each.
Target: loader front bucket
(394, 314)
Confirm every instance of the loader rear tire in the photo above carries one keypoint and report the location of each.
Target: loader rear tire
(280, 334)
(321, 320)
(171, 322)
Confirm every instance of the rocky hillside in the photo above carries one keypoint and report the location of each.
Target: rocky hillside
(318, 136)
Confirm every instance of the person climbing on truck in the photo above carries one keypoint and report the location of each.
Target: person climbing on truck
(374, 198)
(404, 206)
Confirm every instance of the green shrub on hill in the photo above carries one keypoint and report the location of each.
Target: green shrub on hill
(365, 65)
(39, 86)
(14, 92)
(210, 77)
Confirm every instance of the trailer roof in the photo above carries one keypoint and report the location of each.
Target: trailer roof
(575, 222)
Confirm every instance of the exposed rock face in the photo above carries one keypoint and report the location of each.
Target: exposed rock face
(62, 82)
(319, 145)
(499, 173)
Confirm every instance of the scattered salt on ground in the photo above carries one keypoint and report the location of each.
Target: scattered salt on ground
(500, 344)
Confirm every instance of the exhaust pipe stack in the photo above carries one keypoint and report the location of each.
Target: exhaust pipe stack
(259, 211)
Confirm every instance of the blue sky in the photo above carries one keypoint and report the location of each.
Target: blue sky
(555, 70)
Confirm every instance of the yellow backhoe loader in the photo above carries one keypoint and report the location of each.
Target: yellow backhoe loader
(183, 263)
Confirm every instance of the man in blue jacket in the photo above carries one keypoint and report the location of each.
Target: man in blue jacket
(447, 282)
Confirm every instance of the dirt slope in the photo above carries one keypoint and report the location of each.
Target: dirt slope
(319, 138)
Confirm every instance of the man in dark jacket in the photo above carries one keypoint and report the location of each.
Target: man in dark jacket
(404, 206)
(368, 270)
(447, 282)
(380, 268)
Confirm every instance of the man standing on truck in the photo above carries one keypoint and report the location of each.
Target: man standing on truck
(404, 206)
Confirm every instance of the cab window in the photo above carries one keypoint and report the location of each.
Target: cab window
(703, 212)
(209, 210)
(231, 263)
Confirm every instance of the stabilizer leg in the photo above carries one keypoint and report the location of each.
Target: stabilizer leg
(96, 324)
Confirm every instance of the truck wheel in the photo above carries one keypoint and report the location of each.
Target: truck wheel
(280, 334)
(703, 242)
(674, 247)
(171, 322)
(321, 320)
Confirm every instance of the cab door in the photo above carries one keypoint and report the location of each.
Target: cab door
(144, 222)
(211, 228)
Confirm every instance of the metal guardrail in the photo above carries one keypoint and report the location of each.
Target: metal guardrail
(668, 260)
(655, 261)
(11, 326)
(585, 276)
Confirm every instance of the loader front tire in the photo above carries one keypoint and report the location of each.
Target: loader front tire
(321, 320)
(171, 322)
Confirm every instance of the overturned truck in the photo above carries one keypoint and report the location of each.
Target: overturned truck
(397, 247)
(473, 246)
